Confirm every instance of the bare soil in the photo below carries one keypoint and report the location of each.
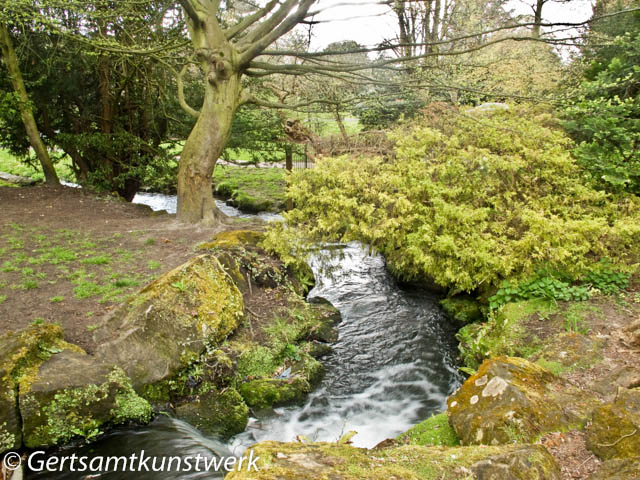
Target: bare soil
(70, 256)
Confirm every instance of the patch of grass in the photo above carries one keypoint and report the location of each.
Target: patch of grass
(92, 328)
(86, 289)
(9, 163)
(37, 321)
(153, 265)
(575, 318)
(30, 284)
(3, 298)
(56, 299)
(150, 241)
(125, 282)
(7, 267)
(55, 255)
(97, 260)
(254, 188)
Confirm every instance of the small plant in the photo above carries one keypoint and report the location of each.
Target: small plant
(180, 285)
(56, 299)
(3, 298)
(150, 241)
(91, 328)
(153, 265)
(37, 321)
(602, 279)
(29, 284)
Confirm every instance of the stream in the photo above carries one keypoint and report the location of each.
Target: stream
(392, 366)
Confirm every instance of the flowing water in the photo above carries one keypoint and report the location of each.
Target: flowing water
(392, 366)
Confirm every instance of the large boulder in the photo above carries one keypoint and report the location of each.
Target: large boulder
(511, 400)
(74, 395)
(22, 353)
(412, 462)
(216, 413)
(618, 469)
(171, 322)
(615, 429)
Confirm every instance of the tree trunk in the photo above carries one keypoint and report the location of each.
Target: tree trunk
(11, 61)
(202, 150)
(537, 13)
(343, 130)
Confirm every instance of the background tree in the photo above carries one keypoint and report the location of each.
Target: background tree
(24, 104)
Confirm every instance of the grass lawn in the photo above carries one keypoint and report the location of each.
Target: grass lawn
(251, 189)
(10, 164)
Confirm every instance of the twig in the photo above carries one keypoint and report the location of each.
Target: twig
(617, 441)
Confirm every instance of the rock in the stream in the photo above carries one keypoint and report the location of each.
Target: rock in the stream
(22, 354)
(268, 392)
(75, 395)
(333, 461)
(169, 322)
(615, 429)
(216, 413)
(511, 400)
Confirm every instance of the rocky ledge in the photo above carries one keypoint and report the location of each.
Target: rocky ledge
(190, 343)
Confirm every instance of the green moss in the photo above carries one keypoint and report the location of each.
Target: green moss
(233, 238)
(273, 392)
(216, 413)
(80, 412)
(434, 430)
(26, 350)
(504, 333)
(7, 439)
(292, 461)
(130, 407)
(462, 310)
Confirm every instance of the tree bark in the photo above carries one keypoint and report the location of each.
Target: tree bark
(343, 130)
(202, 150)
(26, 112)
(537, 13)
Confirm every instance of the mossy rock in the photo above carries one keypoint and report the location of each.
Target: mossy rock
(216, 413)
(22, 353)
(272, 392)
(233, 238)
(309, 368)
(569, 352)
(511, 400)
(250, 204)
(462, 310)
(324, 318)
(169, 323)
(615, 429)
(75, 396)
(296, 461)
(618, 469)
(435, 430)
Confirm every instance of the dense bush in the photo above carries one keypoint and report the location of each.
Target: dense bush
(472, 202)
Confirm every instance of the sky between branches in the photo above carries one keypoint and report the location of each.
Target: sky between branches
(368, 23)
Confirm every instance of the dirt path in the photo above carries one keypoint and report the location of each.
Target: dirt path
(69, 256)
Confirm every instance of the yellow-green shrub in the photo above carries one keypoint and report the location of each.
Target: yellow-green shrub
(473, 201)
